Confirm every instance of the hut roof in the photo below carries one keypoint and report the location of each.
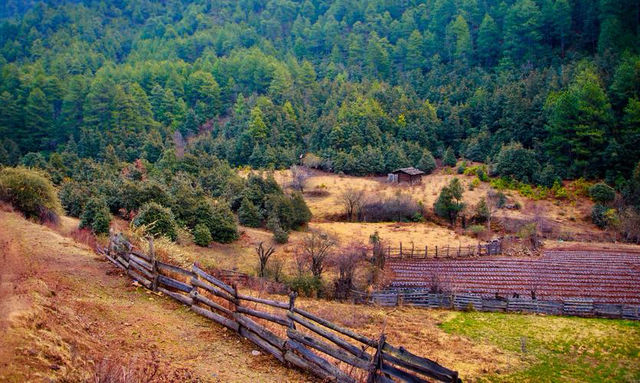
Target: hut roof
(410, 171)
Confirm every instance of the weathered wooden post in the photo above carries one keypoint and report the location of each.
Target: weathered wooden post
(292, 302)
(447, 250)
(426, 251)
(436, 251)
(400, 249)
(154, 265)
(412, 247)
(459, 249)
(376, 362)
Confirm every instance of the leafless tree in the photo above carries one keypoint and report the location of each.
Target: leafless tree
(347, 260)
(492, 201)
(179, 143)
(263, 256)
(299, 178)
(352, 200)
(317, 246)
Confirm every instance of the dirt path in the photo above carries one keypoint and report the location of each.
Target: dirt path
(66, 315)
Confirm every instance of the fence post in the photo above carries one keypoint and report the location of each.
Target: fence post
(292, 302)
(412, 247)
(426, 251)
(154, 265)
(436, 251)
(447, 251)
(376, 362)
(400, 249)
(459, 248)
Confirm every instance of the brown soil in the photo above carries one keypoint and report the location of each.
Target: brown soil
(68, 316)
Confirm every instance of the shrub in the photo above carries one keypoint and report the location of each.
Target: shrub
(603, 216)
(306, 285)
(280, 235)
(301, 211)
(202, 235)
(517, 162)
(96, 216)
(399, 208)
(602, 193)
(248, 214)
(449, 158)
(281, 207)
(477, 230)
(74, 197)
(29, 192)
(219, 220)
(158, 220)
(481, 212)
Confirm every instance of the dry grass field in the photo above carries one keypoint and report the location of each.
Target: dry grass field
(66, 315)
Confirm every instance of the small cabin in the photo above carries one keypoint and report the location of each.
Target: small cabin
(408, 175)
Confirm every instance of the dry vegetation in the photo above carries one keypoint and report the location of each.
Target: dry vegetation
(65, 316)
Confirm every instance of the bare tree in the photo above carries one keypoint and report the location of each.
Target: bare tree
(179, 143)
(352, 200)
(346, 261)
(317, 247)
(263, 256)
(299, 178)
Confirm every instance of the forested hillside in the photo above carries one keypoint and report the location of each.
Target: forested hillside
(367, 86)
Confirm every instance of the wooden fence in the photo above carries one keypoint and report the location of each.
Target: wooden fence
(584, 307)
(482, 249)
(292, 335)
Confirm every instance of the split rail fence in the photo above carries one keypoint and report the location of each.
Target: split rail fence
(584, 307)
(292, 335)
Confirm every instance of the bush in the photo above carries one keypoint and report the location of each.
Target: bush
(248, 214)
(477, 230)
(29, 192)
(306, 285)
(517, 162)
(202, 235)
(601, 215)
(219, 220)
(481, 213)
(301, 211)
(158, 220)
(96, 216)
(74, 197)
(602, 193)
(280, 235)
(399, 208)
(449, 158)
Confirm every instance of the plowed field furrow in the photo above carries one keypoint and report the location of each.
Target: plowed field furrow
(607, 277)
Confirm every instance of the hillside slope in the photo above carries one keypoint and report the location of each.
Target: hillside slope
(65, 316)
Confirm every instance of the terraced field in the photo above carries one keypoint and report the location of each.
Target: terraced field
(605, 276)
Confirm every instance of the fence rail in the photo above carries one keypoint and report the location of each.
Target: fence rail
(584, 307)
(411, 251)
(292, 335)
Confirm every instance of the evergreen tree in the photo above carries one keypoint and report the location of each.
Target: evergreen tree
(248, 214)
(427, 163)
(449, 158)
(488, 41)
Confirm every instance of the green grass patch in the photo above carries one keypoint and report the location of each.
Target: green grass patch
(557, 349)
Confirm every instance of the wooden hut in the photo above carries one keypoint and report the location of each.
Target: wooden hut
(408, 175)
